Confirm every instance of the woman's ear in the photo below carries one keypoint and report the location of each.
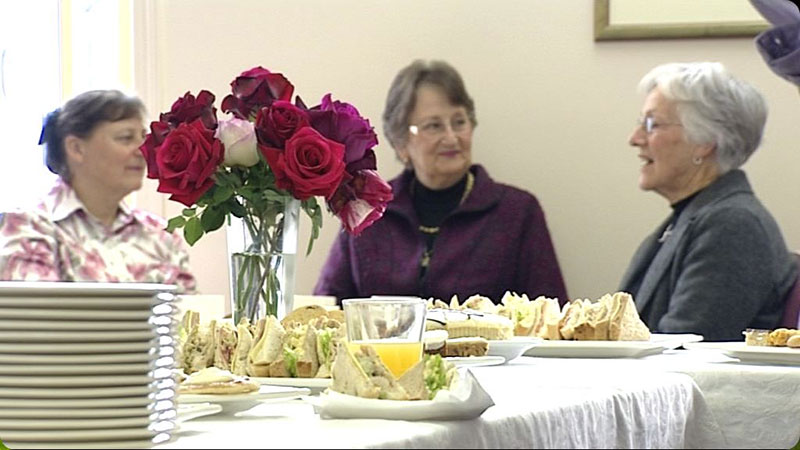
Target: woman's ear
(73, 149)
(402, 155)
(705, 151)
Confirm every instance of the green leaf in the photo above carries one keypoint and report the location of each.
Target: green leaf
(189, 212)
(236, 208)
(213, 217)
(193, 230)
(222, 193)
(274, 196)
(175, 223)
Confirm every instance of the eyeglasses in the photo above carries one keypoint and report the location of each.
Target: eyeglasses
(435, 128)
(649, 124)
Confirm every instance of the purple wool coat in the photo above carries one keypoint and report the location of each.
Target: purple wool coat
(496, 241)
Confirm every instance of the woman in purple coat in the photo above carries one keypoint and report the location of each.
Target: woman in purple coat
(450, 229)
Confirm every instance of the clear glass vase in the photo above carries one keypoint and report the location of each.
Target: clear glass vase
(262, 266)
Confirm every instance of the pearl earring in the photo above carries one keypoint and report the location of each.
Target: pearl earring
(697, 161)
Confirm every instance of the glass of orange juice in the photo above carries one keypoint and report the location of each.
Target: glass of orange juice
(392, 326)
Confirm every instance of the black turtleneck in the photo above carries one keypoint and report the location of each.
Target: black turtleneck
(432, 206)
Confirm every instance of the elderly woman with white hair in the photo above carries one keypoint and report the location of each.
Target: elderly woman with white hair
(719, 263)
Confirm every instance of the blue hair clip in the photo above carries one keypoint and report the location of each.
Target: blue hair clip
(48, 125)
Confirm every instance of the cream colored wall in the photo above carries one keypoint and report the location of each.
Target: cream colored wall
(555, 108)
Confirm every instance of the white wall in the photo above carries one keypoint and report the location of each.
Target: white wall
(554, 107)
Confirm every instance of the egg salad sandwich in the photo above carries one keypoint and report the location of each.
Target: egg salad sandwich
(330, 333)
(267, 350)
(299, 353)
(198, 351)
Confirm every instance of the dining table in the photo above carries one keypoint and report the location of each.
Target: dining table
(698, 398)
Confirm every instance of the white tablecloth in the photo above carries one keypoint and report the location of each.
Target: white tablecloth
(755, 405)
(539, 403)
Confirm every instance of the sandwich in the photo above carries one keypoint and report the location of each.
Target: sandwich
(267, 350)
(329, 334)
(479, 303)
(225, 345)
(363, 374)
(624, 321)
(572, 316)
(304, 315)
(244, 343)
(299, 353)
(198, 350)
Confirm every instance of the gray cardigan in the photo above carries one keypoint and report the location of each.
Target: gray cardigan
(725, 266)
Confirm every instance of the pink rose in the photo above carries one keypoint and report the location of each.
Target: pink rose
(239, 138)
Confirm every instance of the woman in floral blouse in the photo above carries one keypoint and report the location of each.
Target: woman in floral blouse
(82, 230)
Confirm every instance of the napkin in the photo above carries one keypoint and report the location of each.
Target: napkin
(466, 399)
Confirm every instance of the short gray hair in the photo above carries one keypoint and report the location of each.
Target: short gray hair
(713, 107)
(402, 96)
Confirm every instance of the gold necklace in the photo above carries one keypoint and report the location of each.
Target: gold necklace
(467, 190)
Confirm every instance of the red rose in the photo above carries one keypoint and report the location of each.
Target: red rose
(278, 122)
(186, 161)
(188, 108)
(310, 165)
(254, 89)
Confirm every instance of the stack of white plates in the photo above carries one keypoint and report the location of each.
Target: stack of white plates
(86, 365)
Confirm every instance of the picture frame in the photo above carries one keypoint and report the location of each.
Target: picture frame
(675, 19)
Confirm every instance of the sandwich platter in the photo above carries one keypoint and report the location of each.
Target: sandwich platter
(512, 348)
(314, 384)
(752, 354)
(475, 361)
(239, 402)
(595, 349)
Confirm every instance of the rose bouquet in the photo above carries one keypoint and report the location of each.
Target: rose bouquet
(266, 155)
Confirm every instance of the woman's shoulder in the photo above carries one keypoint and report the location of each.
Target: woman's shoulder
(153, 223)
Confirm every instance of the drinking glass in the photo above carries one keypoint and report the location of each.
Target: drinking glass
(393, 326)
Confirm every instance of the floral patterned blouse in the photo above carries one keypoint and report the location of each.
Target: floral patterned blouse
(59, 241)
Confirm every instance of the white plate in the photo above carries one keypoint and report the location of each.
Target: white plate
(141, 303)
(191, 411)
(80, 359)
(160, 438)
(19, 393)
(46, 436)
(71, 424)
(314, 384)
(753, 353)
(240, 402)
(88, 413)
(673, 341)
(78, 380)
(476, 361)
(595, 349)
(77, 325)
(512, 348)
(78, 288)
(76, 336)
(62, 348)
(466, 400)
(138, 400)
(80, 314)
(76, 369)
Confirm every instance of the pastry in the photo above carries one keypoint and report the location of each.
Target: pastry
(213, 380)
